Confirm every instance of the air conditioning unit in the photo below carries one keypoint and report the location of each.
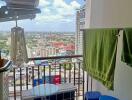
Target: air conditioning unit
(29, 3)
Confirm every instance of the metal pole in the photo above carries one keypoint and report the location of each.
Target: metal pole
(91, 84)
(0, 53)
(16, 22)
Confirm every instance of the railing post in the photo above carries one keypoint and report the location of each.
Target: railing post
(87, 82)
(64, 73)
(33, 76)
(79, 80)
(21, 83)
(14, 74)
(73, 77)
(38, 75)
(44, 74)
(74, 73)
(27, 78)
(49, 74)
(60, 73)
(69, 72)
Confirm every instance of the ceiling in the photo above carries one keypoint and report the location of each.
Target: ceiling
(18, 10)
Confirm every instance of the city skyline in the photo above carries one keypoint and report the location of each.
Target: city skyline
(56, 15)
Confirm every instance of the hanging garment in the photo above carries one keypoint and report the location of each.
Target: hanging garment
(18, 46)
(127, 46)
(100, 47)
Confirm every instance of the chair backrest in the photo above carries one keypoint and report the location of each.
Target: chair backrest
(94, 95)
(105, 97)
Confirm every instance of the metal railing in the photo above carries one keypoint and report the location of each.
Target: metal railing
(68, 69)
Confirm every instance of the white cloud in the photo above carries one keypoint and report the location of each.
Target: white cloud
(43, 3)
(65, 12)
(60, 4)
(45, 11)
(75, 4)
(66, 9)
(58, 11)
(50, 18)
(2, 3)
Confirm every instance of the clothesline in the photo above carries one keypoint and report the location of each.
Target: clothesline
(104, 28)
(119, 29)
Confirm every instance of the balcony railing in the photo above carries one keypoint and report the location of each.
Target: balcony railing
(64, 69)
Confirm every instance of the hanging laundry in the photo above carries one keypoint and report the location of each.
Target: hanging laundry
(127, 46)
(18, 46)
(100, 48)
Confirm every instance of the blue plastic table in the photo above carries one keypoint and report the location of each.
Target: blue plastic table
(105, 97)
(50, 92)
(44, 90)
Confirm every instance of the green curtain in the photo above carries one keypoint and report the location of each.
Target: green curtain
(127, 46)
(100, 47)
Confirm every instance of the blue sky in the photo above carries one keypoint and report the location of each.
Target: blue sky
(56, 15)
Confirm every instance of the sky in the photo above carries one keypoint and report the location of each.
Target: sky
(55, 16)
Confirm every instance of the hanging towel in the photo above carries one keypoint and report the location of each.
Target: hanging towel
(18, 46)
(100, 47)
(127, 46)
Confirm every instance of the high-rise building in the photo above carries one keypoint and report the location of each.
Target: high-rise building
(80, 25)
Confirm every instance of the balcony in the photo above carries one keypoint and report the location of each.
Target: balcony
(59, 70)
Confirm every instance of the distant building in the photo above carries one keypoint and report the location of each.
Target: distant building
(69, 47)
(58, 44)
(80, 24)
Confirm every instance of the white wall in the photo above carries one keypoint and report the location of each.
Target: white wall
(87, 13)
(108, 14)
